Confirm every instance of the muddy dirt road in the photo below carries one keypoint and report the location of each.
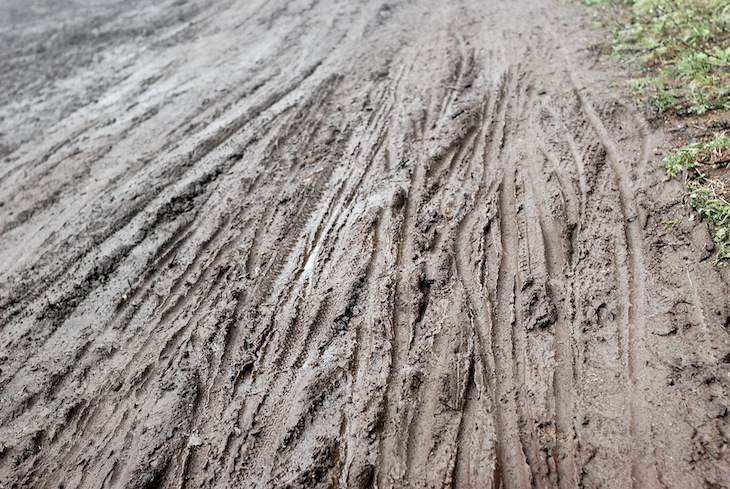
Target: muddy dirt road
(357, 244)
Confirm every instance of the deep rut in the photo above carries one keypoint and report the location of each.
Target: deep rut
(320, 243)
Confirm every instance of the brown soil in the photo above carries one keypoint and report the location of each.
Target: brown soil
(316, 244)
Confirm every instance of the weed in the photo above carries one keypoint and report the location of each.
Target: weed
(672, 223)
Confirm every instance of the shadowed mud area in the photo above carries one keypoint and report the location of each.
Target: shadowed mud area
(358, 244)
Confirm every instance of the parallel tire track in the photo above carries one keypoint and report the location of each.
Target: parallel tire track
(314, 243)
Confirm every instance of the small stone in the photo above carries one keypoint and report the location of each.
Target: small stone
(666, 330)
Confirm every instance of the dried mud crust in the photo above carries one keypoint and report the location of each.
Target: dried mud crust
(314, 243)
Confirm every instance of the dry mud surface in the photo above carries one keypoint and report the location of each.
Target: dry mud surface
(358, 244)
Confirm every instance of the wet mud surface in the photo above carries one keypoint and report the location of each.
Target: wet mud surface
(354, 244)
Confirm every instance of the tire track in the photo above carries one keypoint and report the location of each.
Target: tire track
(484, 307)
(316, 244)
(557, 258)
(643, 468)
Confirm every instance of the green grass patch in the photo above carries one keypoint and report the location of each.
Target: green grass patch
(706, 195)
(715, 208)
(682, 46)
(690, 156)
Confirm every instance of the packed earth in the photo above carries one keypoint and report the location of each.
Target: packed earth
(322, 243)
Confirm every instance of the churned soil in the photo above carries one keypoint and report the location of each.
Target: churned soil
(320, 243)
